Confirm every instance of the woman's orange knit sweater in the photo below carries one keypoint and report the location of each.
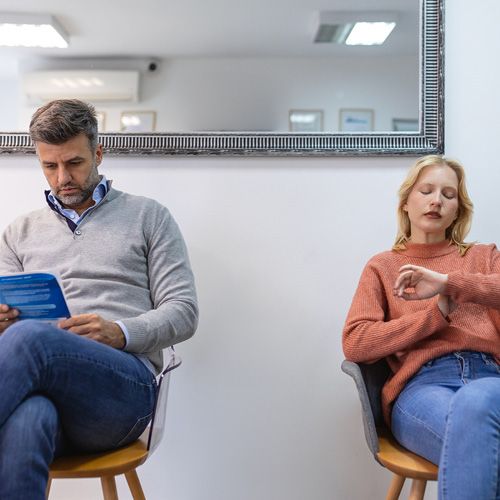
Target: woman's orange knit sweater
(410, 333)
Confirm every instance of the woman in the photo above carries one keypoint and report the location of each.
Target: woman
(431, 308)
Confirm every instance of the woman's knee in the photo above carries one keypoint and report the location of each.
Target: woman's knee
(478, 399)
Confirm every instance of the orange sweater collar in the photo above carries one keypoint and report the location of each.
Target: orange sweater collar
(429, 250)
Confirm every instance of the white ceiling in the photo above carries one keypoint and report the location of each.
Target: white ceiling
(205, 28)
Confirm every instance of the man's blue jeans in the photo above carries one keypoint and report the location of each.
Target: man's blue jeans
(60, 391)
(449, 413)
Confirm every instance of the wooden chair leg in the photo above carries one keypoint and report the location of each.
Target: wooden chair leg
(47, 490)
(395, 487)
(108, 484)
(135, 485)
(417, 490)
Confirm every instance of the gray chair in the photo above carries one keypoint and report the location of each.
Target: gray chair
(369, 379)
(107, 465)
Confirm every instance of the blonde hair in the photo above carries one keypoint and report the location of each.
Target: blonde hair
(460, 227)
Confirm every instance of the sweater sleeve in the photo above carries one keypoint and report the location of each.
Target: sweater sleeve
(479, 288)
(368, 336)
(9, 262)
(174, 316)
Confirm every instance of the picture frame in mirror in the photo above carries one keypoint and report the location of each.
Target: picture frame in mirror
(101, 121)
(405, 125)
(305, 120)
(138, 121)
(356, 120)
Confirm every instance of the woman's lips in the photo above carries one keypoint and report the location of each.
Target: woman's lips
(433, 215)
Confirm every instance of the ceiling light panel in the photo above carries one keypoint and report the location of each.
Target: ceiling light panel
(31, 30)
(337, 27)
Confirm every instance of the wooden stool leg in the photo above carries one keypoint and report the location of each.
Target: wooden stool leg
(135, 485)
(47, 490)
(417, 490)
(109, 488)
(395, 487)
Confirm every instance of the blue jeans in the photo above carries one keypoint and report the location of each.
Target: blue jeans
(449, 413)
(61, 392)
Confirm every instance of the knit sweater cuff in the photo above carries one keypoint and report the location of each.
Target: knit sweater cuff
(137, 334)
(477, 288)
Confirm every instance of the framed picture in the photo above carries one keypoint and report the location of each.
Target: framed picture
(405, 125)
(138, 121)
(305, 120)
(356, 120)
(101, 121)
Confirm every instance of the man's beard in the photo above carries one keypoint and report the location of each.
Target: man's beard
(86, 190)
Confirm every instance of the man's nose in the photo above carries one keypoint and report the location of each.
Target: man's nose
(63, 175)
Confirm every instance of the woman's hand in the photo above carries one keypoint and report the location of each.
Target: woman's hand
(426, 283)
(446, 305)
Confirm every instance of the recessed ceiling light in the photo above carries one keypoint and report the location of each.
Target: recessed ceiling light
(31, 30)
(353, 27)
(364, 33)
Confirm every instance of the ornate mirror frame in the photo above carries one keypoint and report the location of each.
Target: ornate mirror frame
(429, 139)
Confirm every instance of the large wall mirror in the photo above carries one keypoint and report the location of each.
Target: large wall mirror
(266, 77)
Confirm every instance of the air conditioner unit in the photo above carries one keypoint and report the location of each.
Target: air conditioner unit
(88, 85)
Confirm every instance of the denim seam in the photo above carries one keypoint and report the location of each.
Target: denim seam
(138, 422)
(104, 365)
(444, 457)
(421, 422)
(495, 484)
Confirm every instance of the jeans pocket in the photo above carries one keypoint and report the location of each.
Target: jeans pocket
(490, 361)
(136, 430)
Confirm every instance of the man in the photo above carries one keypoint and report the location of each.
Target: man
(88, 384)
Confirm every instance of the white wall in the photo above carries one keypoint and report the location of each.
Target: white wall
(9, 103)
(257, 93)
(260, 409)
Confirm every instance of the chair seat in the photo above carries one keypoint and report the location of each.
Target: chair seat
(402, 461)
(108, 463)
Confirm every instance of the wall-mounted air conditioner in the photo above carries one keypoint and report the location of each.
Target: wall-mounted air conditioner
(88, 85)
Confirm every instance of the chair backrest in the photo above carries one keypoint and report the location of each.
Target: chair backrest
(157, 426)
(369, 380)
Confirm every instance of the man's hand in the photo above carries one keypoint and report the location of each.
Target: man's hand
(96, 328)
(8, 316)
(426, 283)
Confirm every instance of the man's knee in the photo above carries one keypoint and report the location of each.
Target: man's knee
(28, 333)
(35, 419)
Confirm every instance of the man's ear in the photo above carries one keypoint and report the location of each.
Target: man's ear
(98, 155)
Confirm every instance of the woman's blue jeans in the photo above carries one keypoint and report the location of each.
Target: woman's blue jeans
(58, 392)
(449, 413)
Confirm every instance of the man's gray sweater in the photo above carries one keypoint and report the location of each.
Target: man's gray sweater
(126, 261)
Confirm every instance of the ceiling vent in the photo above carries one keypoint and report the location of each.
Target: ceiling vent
(332, 33)
(88, 85)
(336, 26)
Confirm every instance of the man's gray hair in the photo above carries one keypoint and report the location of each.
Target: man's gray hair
(61, 120)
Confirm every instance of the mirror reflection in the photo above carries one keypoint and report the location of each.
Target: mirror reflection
(188, 65)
